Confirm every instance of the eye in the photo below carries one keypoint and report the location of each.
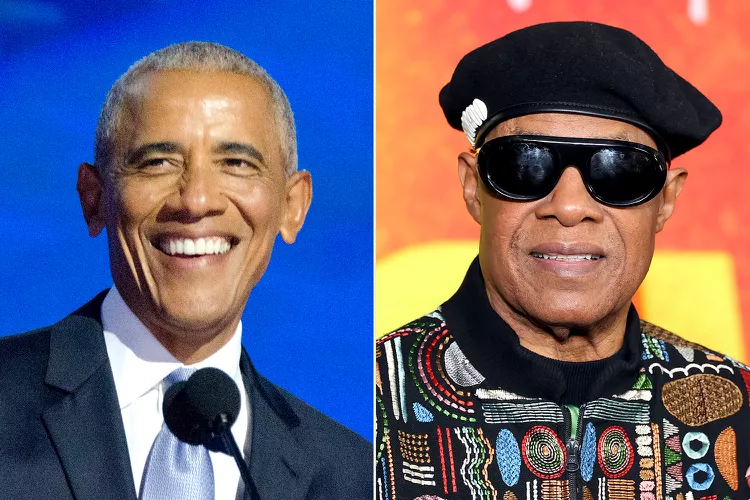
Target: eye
(157, 164)
(239, 164)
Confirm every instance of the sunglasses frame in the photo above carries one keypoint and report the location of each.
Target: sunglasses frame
(576, 153)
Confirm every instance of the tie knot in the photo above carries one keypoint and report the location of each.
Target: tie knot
(179, 375)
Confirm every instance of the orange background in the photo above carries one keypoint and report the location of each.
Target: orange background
(418, 197)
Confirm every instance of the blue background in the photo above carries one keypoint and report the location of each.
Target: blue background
(308, 324)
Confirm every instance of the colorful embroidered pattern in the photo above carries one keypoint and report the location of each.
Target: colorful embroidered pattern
(414, 447)
(621, 489)
(615, 452)
(479, 455)
(555, 490)
(421, 413)
(587, 493)
(698, 451)
(696, 468)
(653, 348)
(746, 378)
(588, 452)
(700, 399)
(514, 413)
(508, 457)
(621, 411)
(543, 452)
(657, 460)
(691, 368)
(672, 457)
(643, 441)
(419, 474)
(459, 369)
(447, 463)
(643, 444)
(648, 461)
(687, 352)
(395, 376)
(432, 383)
(498, 395)
(725, 453)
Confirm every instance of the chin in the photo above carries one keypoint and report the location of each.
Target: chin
(568, 313)
(197, 313)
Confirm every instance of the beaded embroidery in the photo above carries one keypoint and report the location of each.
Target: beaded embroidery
(459, 437)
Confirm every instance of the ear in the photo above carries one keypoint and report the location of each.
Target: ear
(467, 172)
(298, 198)
(89, 187)
(675, 181)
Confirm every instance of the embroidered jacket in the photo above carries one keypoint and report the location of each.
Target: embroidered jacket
(666, 419)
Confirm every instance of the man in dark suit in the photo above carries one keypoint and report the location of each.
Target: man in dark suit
(195, 174)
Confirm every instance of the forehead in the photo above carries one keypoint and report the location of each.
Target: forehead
(571, 125)
(181, 105)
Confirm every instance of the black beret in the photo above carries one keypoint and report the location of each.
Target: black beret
(577, 67)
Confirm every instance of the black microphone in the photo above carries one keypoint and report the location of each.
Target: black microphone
(201, 411)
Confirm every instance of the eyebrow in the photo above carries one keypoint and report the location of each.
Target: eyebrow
(137, 154)
(239, 148)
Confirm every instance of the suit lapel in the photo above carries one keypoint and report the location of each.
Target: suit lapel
(279, 465)
(84, 420)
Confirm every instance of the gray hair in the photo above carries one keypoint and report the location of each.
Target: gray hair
(195, 56)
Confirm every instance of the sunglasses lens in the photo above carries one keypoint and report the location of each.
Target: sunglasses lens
(623, 176)
(520, 170)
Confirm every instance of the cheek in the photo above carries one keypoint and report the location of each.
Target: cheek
(500, 236)
(134, 203)
(502, 223)
(638, 233)
(260, 206)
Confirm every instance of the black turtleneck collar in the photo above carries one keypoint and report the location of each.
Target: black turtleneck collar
(494, 349)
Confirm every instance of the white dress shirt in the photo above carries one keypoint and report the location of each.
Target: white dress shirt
(139, 364)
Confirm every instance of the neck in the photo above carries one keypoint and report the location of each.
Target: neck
(561, 342)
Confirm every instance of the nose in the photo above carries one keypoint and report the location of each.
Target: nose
(198, 193)
(569, 202)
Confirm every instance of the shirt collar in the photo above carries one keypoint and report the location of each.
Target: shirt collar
(139, 362)
(494, 349)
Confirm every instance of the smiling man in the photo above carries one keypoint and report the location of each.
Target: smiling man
(537, 379)
(195, 174)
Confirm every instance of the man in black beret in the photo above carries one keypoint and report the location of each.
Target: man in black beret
(537, 379)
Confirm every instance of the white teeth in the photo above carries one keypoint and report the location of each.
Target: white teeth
(200, 246)
(189, 247)
(566, 258)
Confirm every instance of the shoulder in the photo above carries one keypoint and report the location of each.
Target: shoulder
(403, 339)
(344, 458)
(661, 347)
(23, 359)
(320, 428)
(23, 392)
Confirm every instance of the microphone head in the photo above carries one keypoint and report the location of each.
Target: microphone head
(202, 407)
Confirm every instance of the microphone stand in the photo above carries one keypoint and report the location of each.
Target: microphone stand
(230, 445)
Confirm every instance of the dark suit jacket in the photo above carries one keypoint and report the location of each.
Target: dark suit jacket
(61, 432)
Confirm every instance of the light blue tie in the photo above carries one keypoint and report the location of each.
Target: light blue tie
(176, 470)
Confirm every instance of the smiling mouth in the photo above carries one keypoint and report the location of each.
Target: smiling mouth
(195, 247)
(566, 258)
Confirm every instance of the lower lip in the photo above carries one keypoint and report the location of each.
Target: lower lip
(568, 268)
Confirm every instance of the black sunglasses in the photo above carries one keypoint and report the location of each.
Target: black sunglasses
(615, 173)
